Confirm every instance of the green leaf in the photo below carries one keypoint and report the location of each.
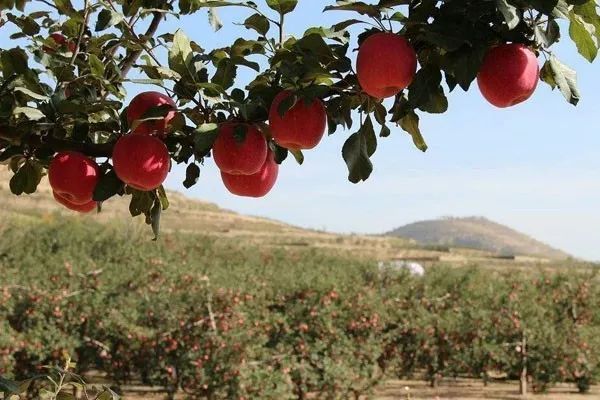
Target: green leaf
(464, 64)
(180, 55)
(357, 151)
(106, 19)
(584, 35)
(108, 186)
(589, 13)
(509, 12)
(96, 66)
(192, 174)
(155, 214)
(162, 197)
(410, 123)
(558, 74)
(65, 7)
(298, 156)
(33, 114)
(27, 178)
(279, 152)
(9, 387)
(108, 394)
(225, 74)
(358, 6)
(141, 202)
(259, 23)
(14, 61)
(65, 396)
(282, 6)
(204, 138)
(548, 36)
(426, 92)
(31, 94)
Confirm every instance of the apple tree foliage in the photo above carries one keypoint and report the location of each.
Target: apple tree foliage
(71, 96)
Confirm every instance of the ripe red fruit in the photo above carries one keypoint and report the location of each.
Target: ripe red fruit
(240, 149)
(141, 161)
(61, 41)
(509, 75)
(386, 65)
(301, 127)
(256, 185)
(82, 208)
(141, 104)
(73, 176)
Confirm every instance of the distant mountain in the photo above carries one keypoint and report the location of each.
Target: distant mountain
(476, 233)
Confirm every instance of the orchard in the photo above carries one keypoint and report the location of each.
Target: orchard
(65, 112)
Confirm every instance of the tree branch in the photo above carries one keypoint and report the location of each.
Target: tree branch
(89, 149)
(133, 56)
(86, 17)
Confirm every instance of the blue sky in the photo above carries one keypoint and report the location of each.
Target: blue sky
(534, 167)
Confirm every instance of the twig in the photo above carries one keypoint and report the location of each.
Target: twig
(213, 323)
(49, 4)
(86, 17)
(134, 55)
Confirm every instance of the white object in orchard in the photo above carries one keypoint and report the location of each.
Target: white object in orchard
(412, 267)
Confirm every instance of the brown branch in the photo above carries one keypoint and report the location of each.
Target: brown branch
(134, 55)
(86, 18)
(49, 4)
(89, 149)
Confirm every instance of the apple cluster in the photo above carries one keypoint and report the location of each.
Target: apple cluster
(387, 64)
(142, 161)
(242, 152)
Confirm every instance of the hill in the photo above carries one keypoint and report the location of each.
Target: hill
(191, 216)
(476, 233)
(200, 218)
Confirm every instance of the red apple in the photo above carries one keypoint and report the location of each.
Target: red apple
(73, 176)
(509, 75)
(256, 185)
(141, 161)
(301, 127)
(82, 208)
(61, 41)
(240, 149)
(141, 104)
(386, 65)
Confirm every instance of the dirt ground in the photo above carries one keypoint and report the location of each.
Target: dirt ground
(462, 389)
(474, 390)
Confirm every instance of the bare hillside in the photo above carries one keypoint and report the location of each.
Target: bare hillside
(476, 233)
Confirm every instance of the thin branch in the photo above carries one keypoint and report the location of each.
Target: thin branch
(133, 56)
(86, 18)
(258, 12)
(49, 4)
(90, 149)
